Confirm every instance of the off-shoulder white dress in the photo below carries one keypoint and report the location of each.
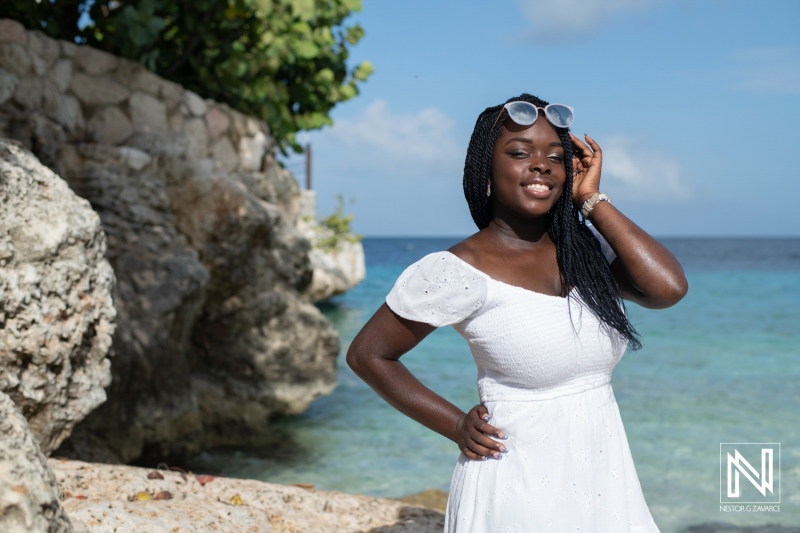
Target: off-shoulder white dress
(544, 367)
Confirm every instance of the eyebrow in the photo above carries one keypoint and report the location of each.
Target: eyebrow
(554, 144)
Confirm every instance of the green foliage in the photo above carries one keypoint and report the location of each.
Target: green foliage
(338, 225)
(284, 61)
(57, 19)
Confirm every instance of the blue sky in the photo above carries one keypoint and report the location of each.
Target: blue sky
(676, 93)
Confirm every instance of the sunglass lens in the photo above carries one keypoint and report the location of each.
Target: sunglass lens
(523, 113)
(559, 115)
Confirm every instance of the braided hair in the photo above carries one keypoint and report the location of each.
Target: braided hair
(580, 261)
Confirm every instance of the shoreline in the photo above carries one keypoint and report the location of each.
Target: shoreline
(126, 498)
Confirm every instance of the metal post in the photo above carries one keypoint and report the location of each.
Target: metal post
(308, 166)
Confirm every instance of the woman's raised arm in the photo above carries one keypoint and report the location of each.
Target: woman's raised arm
(646, 272)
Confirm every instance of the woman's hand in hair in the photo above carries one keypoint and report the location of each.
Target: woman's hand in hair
(473, 435)
(587, 162)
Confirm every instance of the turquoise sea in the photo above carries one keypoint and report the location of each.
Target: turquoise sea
(723, 366)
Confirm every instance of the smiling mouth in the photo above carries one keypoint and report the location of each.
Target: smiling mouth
(539, 187)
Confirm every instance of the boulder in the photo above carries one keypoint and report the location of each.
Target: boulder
(160, 290)
(214, 337)
(337, 260)
(30, 498)
(56, 311)
(259, 348)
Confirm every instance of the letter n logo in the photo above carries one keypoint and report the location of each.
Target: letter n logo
(740, 460)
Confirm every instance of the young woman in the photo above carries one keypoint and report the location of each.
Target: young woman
(538, 296)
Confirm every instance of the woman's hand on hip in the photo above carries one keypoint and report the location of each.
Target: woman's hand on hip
(473, 435)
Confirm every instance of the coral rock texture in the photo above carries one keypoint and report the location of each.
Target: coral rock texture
(56, 312)
(30, 498)
(124, 498)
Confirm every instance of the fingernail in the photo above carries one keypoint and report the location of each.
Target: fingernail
(498, 456)
(505, 450)
(502, 435)
(486, 418)
(483, 457)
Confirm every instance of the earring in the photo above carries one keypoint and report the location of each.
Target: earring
(489, 189)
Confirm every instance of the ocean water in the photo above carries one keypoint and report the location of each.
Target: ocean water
(722, 366)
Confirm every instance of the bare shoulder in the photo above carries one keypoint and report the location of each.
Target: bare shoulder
(469, 250)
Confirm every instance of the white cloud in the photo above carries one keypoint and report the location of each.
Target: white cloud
(422, 140)
(568, 18)
(769, 69)
(636, 172)
(402, 170)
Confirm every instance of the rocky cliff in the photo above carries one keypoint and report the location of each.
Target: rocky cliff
(215, 331)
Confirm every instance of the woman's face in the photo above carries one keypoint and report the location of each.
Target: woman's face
(528, 171)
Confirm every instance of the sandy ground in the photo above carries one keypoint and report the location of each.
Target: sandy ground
(122, 499)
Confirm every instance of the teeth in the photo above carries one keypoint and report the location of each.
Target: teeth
(537, 187)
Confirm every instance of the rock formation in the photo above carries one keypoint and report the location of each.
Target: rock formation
(56, 311)
(215, 334)
(126, 498)
(30, 498)
(338, 266)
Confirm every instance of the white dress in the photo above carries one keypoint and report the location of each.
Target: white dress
(544, 371)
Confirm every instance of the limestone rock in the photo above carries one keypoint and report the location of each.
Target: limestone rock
(148, 113)
(195, 103)
(159, 293)
(277, 186)
(198, 139)
(225, 155)
(109, 125)
(94, 61)
(336, 270)
(56, 312)
(62, 108)
(29, 92)
(97, 91)
(218, 122)
(12, 31)
(106, 500)
(136, 77)
(251, 150)
(338, 261)
(62, 74)
(8, 84)
(43, 50)
(15, 58)
(37, 133)
(30, 498)
(279, 350)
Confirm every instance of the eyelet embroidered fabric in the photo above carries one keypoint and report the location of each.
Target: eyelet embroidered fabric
(544, 370)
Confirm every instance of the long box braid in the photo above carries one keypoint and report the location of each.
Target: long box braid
(580, 260)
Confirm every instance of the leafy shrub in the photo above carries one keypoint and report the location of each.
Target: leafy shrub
(283, 61)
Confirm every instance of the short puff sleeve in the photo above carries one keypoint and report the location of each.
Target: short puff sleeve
(439, 289)
(608, 253)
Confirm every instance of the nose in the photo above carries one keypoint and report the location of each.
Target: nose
(540, 164)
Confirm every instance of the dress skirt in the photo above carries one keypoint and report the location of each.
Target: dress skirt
(568, 468)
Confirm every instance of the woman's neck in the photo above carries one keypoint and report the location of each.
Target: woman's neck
(520, 235)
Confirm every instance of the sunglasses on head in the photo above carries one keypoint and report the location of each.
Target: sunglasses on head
(525, 114)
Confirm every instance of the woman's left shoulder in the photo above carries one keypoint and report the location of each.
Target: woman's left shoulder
(468, 250)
